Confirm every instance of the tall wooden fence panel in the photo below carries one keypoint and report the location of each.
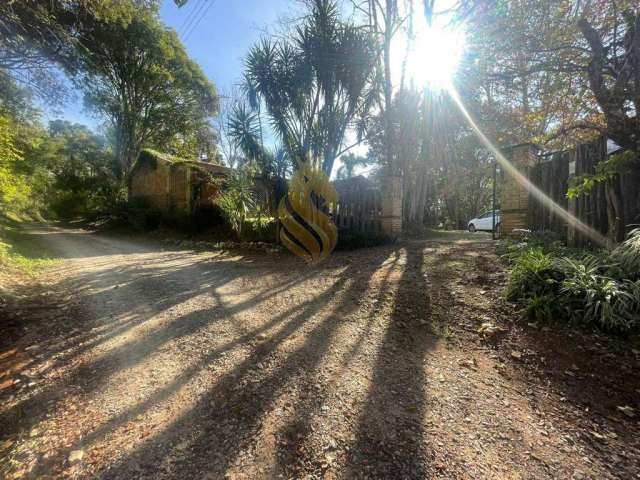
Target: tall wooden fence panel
(554, 174)
(359, 206)
(551, 175)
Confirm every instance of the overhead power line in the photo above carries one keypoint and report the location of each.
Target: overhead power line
(197, 22)
(189, 18)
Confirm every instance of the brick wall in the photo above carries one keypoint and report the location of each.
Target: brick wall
(391, 218)
(514, 202)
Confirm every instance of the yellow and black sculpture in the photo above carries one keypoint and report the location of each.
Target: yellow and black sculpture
(306, 227)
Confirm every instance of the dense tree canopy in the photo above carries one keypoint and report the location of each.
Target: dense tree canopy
(140, 77)
(548, 69)
(133, 70)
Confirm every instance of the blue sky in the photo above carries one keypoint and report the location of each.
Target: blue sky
(218, 35)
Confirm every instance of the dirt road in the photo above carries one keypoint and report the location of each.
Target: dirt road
(165, 362)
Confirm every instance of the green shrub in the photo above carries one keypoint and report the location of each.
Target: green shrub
(627, 256)
(540, 307)
(67, 204)
(534, 273)
(259, 229)
(597, 289)
(591, 297)
(236, 202)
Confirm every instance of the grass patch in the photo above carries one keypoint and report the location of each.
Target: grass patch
(21, 251)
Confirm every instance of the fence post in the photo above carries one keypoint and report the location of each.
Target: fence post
(391, 218)
(514, 204)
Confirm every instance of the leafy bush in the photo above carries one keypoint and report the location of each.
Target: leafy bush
(553, 282)
(591, 297)
(627, 255)
(540, 307)
(259, 229)
(67, 204)
(534, 273)
(237, 202)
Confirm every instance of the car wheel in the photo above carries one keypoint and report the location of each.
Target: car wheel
(472, 227)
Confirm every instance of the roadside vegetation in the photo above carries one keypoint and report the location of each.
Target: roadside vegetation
(553, 283)
(19, 251)
(151, 327)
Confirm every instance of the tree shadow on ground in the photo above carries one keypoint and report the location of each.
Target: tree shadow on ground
(202, 277)
(297, 455)
(224, 420)
(390, 439)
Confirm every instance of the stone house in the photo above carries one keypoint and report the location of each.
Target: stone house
(174, 186)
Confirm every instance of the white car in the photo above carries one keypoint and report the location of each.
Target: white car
(484, 222)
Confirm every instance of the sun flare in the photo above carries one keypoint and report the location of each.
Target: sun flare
(432, 55)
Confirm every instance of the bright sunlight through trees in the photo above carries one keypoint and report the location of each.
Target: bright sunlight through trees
(429, 54)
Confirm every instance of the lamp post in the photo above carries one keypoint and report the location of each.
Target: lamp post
(493, 210)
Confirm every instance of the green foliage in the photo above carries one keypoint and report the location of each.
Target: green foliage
(142, 215)
(259, 229)
(244, 129)
(133, 70)
(540, 307)
(627, 255)
(19, 250)
(314, 83)
(605, 170)
(14, 189)
(598, 289)
(63, 172)
(533, 274)
(591, 297)
(236, 201)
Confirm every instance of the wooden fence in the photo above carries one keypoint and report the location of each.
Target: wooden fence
(359, 206)
(554, 173)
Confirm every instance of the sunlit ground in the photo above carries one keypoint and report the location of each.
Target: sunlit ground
(182, 364)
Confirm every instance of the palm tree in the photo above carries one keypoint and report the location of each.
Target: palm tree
(316, 84)
(349, 162)
(245, 132)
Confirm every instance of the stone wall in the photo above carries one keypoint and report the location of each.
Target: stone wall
(164, 186)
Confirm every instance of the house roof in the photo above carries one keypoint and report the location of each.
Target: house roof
(153, 157)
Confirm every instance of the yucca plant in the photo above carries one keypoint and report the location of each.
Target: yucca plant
(314, 84)
(236, 201)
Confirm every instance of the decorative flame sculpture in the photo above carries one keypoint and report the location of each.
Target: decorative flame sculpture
(307, 229)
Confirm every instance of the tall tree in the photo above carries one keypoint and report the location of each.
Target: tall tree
(134, 71)
(316, 83)
(614, 68)
(35, 35)
(139, 76)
